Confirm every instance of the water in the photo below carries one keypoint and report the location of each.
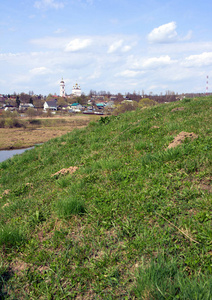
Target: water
(5, 154)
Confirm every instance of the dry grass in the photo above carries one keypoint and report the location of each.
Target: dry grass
(17, 138)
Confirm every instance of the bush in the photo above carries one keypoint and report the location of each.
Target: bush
(124, 107)
(146, 102)
(35, 122)
(12, 122)
(2, 122)
(31, 112)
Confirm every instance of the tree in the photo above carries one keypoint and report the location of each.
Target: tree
(61, 101)
(24, 97)
(119, 98)
(92, 93)
(18, 101)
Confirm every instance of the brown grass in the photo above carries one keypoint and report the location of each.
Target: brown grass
(17, 138)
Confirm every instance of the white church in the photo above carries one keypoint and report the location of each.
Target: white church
(76, 91)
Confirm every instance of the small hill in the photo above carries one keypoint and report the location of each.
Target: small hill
(120, 209)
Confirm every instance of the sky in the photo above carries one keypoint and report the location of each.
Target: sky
(120, 46)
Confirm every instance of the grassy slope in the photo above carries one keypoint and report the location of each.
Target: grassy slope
(132, 222)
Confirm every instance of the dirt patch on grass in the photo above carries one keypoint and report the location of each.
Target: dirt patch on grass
(205, 185)
(6, 192)
(64, 171)
(18, 267)
(181, 137)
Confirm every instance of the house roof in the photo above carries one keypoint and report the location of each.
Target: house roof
(52, 103)
(75, 104)
(100, 104)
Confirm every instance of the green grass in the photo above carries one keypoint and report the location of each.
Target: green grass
(162, 279)
(10, 236)
(132, 222)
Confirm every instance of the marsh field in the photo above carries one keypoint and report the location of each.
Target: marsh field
(119, 209)
(26, 132)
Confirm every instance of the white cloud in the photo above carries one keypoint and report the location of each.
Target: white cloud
(115, 46)
(187, 37)
(167, 33)
(45, 4)
(40, 71)
(126, 48)
(163, 34)
(128, 73)
(77, 44)
(149, 63)
(155, 62)
(50, 42)
(199, 60)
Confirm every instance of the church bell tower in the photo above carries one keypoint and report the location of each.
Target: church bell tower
(62, 88)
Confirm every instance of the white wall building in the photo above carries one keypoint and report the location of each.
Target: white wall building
(62, 88)
(76, 91)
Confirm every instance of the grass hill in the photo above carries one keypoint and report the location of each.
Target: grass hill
(118, 210)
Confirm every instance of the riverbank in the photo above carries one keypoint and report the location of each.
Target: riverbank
(40, 130)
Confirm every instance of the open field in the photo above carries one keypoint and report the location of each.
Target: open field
(40, 130)
(120, 209)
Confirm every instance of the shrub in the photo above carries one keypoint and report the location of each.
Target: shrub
(31, 112)
(2, 122)
(146, 102)
(10, 122)
(35, 122)
(126, 106)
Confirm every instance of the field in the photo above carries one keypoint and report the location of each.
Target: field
(120, 209)
(39, 130)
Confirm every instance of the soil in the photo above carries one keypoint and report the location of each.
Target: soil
(181, 137)
(64, 171)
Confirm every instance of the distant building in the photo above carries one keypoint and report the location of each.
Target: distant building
(76, 107)
(51, 105)
(25, 106)
(76, 91)
(62, 88)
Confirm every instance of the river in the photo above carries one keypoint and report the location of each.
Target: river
(5, 154)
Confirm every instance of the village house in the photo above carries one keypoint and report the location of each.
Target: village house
(76, 107)
(51, 105)
(25, 106)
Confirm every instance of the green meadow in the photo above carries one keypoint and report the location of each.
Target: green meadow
(126, 218)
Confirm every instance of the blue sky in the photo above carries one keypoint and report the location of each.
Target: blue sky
(105, 45)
